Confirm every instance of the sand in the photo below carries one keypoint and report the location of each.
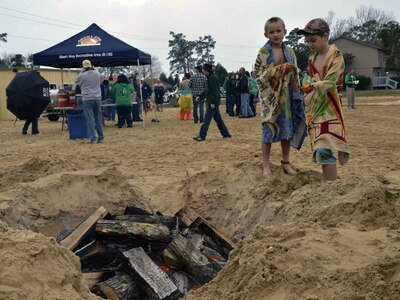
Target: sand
(329, 240)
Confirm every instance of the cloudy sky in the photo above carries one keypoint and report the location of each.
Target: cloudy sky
(236, 26)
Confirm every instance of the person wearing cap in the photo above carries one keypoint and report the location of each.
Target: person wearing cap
(198, 84)
(89, 79)
(321, 84)
(213, 100)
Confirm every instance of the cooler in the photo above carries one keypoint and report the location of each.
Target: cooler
(77, 125)
(72, 99)
(62, 99)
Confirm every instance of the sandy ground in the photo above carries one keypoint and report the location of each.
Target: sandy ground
(336, 240)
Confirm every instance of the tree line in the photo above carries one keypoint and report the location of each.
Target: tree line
(369, 25)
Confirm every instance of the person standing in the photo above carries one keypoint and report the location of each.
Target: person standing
(350, 81)
(159, 92)
(186, 99)
(230, 88)
(282, 112)
(136, 102)
(146, 93)
(321, 91)
(253, 88)
(35, 126)
(122, 92)
(213, 100)
(198, 84)
(89, 79)
(243, 86)
(106, 97)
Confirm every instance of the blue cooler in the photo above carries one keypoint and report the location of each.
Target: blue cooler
(77, 125)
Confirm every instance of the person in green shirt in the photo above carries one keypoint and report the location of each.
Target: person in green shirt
(213, 101)
(253, 87)
(350, 81)
(122, 92)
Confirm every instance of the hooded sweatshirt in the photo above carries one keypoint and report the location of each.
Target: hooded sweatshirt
(122, 93)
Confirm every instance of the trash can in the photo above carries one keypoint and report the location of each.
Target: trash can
(77, 125)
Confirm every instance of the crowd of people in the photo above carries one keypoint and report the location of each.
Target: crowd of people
(292, 104)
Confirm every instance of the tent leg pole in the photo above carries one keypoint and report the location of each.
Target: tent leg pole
(62, 78)
(152, 85)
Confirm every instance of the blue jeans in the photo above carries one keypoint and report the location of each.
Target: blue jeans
(35, 125)
(110, 110)
(93, 116)
(196, 105)
(231, 100)
(245, 109)
(216, 114)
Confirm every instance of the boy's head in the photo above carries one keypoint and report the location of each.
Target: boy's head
(275, 30)
(316, 34)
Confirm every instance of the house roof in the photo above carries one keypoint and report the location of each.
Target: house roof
(356, 41)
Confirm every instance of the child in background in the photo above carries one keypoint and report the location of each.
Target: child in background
(321, 84)
(186, 99)
(282, 107)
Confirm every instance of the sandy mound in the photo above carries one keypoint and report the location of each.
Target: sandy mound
(49, 202)
(35, 267)
(347, 243)
(307, 262)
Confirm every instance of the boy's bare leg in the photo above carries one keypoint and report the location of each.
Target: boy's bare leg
(285, 157)
(329, 172)
(266, 151)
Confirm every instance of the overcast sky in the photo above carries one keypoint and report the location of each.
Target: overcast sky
(236, 26)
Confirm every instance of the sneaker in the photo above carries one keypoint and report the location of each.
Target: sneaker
(100, 141)
(198, 138)
(226, 136)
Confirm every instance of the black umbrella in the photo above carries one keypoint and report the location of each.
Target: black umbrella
(28, 95)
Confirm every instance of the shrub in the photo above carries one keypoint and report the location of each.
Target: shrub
(364, 83)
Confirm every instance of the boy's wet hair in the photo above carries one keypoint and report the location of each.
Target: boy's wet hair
(273, 20)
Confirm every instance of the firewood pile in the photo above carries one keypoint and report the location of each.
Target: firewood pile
(139, 255)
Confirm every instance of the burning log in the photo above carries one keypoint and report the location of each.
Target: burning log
(195, 263)
(109, 259)
(213, 235)
(76, 236)
(154, 281)
(170, 222)
(187, 216)
(94, 278)
(120, 287)
(134, 210)
(171, 260)
(133, 230)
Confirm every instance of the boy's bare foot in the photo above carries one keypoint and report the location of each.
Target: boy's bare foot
(287, 168)
(267, 171)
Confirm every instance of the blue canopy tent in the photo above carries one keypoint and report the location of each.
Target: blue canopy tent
(94, 44)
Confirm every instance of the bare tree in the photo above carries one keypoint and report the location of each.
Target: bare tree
(366, 14)
(144, 71)
(337, 26)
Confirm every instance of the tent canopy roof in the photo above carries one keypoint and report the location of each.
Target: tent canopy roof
(94, 44)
